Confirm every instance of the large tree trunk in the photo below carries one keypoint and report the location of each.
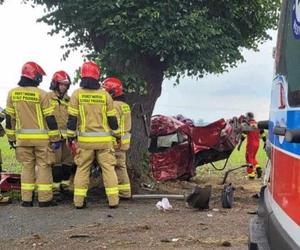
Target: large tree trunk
(137, 158)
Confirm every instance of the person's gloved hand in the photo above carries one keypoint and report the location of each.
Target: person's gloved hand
(12, 144)
(56, 145)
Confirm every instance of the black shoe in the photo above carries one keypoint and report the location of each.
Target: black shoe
(27, 204)
(51, 203)
(258, 172)
(113, 207)
(82, 207)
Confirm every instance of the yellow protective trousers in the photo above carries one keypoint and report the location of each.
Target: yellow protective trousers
(36, 172)
(121, 170)
(106, 159)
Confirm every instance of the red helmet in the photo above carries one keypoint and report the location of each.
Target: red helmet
(90, 69)
(60, 77)
(113, 86)
(33, 71)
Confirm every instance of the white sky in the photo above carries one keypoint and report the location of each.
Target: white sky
(242, 89)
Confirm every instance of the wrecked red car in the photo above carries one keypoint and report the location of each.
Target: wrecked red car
(9, 182)
(177, 146)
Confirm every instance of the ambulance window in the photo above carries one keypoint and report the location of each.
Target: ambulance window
(288, 49)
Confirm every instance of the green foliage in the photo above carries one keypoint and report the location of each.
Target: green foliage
(180, 36)
(10, 163)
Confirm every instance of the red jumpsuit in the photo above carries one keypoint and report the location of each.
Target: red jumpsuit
(253, 138)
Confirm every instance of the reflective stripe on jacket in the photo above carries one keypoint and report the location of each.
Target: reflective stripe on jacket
(124, 122)
(28, 107)
(92, 108)
(60, 111)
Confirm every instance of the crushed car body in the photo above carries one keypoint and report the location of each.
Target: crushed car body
(177, 146)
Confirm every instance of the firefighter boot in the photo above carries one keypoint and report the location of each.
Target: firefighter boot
(27, 204)
(84, 205)
(250, 172)
(51, 203)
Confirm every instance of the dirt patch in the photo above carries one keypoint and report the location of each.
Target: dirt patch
(135, 224)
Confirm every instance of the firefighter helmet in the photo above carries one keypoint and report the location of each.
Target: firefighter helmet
(113, 86)
(90, 69)
(33, 71)
(60, 77)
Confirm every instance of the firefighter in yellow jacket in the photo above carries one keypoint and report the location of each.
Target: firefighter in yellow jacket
(115, 88)
(92, 109)
(2, 133)
(3, 200)
(59, 99)
(32, 130)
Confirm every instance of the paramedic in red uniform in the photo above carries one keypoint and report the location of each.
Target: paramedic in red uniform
(253, 137)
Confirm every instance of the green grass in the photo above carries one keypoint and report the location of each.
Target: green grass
(8, 157)
(236, 159)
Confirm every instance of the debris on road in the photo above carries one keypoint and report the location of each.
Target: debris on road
(73, 236)
(164, 205)
(200, 197)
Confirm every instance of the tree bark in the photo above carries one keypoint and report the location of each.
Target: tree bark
(151, 71)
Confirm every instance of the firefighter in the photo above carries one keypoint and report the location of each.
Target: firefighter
(32, 131)
(3, 200)
(2, 133)
(114, 87)
(63, 167)
(92, 109)
(253, 138)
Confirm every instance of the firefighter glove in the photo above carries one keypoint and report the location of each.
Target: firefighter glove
(56, 145)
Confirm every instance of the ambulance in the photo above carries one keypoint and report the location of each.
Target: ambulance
(277, 224)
